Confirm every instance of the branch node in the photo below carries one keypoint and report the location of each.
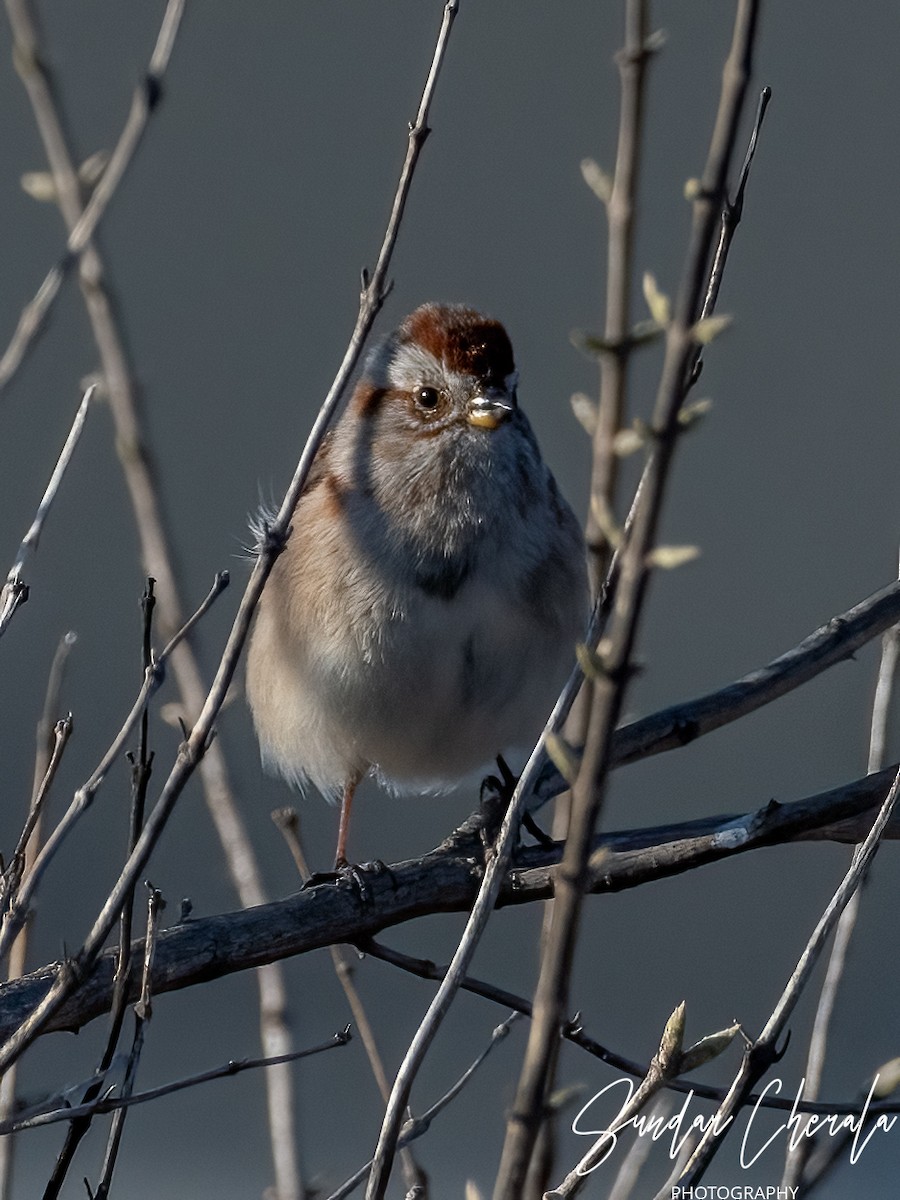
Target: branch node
(153, 90)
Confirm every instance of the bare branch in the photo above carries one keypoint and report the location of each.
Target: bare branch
(140, 777)
(797, 1156)
(619, 197)
(446, 880)
(17, 865)
(145, 99)
(834, 642)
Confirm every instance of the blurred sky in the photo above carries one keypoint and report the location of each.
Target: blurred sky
(234, 247)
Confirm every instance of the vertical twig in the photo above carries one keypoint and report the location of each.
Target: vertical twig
(632, 61)
(733, 210)
(620, 202)
(143, 1011)
(141, 767)
(551, 995)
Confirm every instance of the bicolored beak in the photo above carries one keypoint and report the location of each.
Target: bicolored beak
(490, 409)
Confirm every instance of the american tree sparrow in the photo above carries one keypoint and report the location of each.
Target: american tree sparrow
(424, 613)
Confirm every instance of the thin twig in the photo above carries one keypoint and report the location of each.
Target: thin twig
(573, 1032)
(146, 97)
(763, 1052)
(108, 1104)
(15, 591)
(288, 824)
(141, 771)
(733, 210)
(551, 995)
(84, 796)
(417, 1126)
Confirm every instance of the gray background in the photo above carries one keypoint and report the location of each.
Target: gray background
(234, 246)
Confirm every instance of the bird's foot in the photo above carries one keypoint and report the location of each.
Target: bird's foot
(543, 839)
(496, 794)
(353, 873)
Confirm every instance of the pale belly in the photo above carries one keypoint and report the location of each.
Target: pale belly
(424, 697)
(455, 688)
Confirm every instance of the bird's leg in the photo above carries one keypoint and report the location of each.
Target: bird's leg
(340, 858)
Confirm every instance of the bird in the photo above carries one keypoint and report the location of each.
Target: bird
(423, 615)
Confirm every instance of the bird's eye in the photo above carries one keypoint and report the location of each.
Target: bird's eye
(427, 398)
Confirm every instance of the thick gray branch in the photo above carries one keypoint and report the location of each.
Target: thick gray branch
(446, 880)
